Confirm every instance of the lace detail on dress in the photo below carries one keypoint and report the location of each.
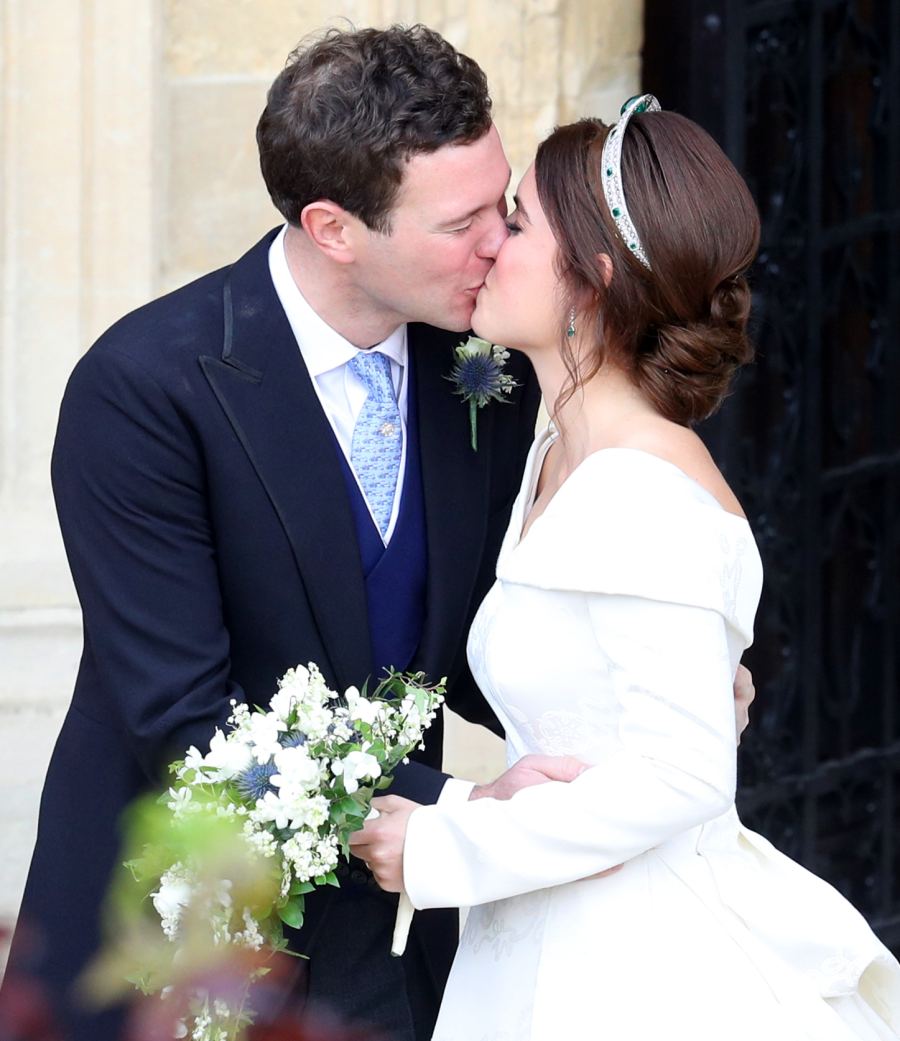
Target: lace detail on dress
(502, 942)
(502, 926)
(578, 731)
(732, 569)
(840, 973)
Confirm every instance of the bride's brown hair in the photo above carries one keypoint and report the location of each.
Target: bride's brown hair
(680, 329)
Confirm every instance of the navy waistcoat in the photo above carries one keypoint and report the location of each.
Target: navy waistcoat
(395, 575)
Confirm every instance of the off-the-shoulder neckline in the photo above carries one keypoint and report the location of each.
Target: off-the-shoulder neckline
(541, 448)
(653, 457)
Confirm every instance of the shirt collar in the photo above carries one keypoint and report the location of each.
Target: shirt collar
(323, 348)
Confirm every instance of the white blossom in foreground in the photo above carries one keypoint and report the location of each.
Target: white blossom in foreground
(172, 897)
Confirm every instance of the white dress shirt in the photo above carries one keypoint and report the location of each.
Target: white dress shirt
(326, 353)
(342, 395)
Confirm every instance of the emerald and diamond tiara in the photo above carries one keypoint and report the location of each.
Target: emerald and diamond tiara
(612, 173)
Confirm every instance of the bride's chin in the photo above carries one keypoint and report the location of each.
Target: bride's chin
(482, 326)
(491, 330)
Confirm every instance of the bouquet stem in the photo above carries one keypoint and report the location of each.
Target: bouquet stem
(403, 921)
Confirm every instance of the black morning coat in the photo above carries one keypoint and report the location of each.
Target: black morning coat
(208, 529)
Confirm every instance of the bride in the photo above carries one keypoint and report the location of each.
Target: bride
(625, 595)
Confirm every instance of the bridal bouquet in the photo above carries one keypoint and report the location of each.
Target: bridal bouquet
(260, 820)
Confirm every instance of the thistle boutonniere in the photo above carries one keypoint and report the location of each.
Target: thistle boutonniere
(479, 377)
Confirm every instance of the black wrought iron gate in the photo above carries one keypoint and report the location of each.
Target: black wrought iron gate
(805, 97)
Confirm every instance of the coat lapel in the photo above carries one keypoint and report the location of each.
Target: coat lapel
(266, 392)
(455, 485)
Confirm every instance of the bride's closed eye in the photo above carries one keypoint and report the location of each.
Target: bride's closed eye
(512, 227)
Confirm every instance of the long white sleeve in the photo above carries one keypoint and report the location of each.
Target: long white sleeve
(673, 767)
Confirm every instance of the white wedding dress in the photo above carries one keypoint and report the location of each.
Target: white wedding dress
(612, 634)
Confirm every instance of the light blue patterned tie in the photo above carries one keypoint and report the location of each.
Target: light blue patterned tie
(377, 437)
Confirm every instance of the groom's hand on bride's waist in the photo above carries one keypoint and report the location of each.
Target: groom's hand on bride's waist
(529, 770)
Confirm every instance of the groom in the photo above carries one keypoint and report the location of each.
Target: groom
(269, 466)
(231, 508)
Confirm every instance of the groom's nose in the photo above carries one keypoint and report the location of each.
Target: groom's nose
(495, 234)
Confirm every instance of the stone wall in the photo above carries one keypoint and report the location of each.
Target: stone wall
(128, 165)
(79, 165)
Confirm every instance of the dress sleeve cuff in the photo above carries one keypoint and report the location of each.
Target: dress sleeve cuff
(455, 791)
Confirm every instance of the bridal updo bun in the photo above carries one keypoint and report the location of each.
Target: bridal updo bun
(678, 329)
(686, 368)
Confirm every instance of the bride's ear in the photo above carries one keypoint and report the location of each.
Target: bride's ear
(604, 262)
(328, 226)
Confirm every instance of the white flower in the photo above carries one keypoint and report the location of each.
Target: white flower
(309, 855)
(223, 892)
(308, 811)
(292, 808)
(282, 704)
(341, 730)
(263, 731)
(295, 680)
(355, 767)
(361, 709)
(228, 756)
(292, 691)
(220, 914)
(194, 761)
(319, 691)
(180, 802)
(314, 720)
(240, 713)
(296, 769)
(474, 346)
(202, 1024)
(172, 897)
(287, 879)
(251, 936)
(409, 704)
(259, 840)
(271, 808)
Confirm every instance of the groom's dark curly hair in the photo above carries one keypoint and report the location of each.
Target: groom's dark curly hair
(351, 107)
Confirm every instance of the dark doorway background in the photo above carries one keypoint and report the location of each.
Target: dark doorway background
(805, 98)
